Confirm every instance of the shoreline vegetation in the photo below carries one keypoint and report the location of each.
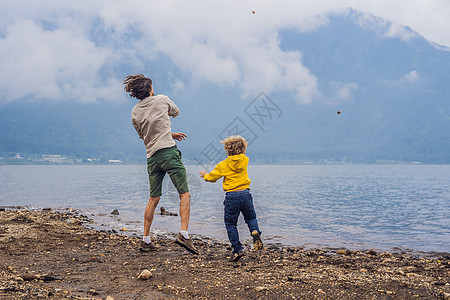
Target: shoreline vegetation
(13, 158)
(117, 162)
(47, 254)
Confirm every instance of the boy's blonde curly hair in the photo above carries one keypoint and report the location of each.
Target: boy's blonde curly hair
(234, 145)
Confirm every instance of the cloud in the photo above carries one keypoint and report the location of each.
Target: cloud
(404, 80)
(58, 64)
(73, 51)
(222, 43)
(342, 92)
(178, 86)
(384, 27)
(396, 30)
(428, 18)
(412, 76)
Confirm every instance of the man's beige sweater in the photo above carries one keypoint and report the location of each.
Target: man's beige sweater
(151, 119)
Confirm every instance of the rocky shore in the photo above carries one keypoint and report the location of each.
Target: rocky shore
(53, 255)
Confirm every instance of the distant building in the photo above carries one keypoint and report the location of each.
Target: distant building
(55, 158)
(115, 161)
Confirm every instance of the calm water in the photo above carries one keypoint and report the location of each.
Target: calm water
(386, 207)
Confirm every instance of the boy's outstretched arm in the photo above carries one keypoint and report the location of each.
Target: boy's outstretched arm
(214, 175)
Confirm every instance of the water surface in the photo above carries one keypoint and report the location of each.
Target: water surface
(386, 207)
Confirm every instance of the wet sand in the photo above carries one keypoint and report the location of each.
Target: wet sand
(56, 255)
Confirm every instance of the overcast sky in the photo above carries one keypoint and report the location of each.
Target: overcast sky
(70, 49)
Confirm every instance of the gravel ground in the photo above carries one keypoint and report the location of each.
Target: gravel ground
(54, 255)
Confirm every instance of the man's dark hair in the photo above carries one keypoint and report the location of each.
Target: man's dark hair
(138, 86)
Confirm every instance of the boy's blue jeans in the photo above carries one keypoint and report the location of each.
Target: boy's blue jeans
(234, 204)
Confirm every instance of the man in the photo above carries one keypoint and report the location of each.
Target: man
(151, 119)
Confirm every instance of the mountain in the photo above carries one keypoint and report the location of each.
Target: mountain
(400, 108)
(393, 95)
(70, 128)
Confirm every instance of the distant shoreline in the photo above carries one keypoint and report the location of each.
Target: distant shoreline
(190, 163)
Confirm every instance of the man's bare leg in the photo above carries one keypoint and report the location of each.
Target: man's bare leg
(185, 210)
(146, 245)
(149, 213)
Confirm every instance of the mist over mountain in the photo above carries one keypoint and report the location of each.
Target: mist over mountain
(393, 92)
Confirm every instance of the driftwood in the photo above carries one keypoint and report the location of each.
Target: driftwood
(164, 212)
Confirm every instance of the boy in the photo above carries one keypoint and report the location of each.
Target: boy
(151, 119)
(237, 198)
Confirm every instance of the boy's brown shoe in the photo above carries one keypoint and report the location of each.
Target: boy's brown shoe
(236, 256)
(144, 247)
(257, 243)
(186, 243)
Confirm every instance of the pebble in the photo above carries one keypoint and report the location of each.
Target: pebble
(410, 269)
(115, 212)
(75, 222)
(29, 277)
(372, 252)
(294, 278)
(145, 275)
(261, 288)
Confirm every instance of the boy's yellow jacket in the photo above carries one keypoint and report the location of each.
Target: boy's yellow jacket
(234, 173)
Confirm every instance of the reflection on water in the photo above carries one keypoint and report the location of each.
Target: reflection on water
(353, 206)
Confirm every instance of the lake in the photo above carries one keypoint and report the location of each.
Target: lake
(384, 207)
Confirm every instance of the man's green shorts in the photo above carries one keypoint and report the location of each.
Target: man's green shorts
(167, 160)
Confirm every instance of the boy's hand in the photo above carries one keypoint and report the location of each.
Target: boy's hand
(202, 173)
(178, 136)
